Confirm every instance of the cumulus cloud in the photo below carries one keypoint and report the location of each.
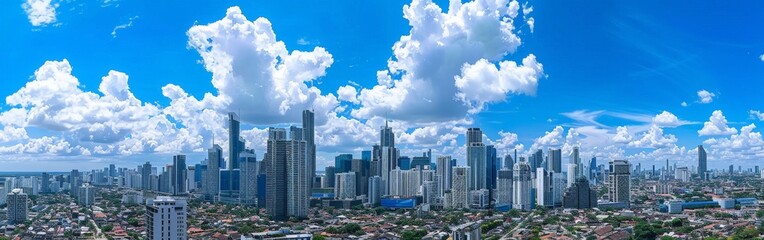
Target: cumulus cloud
(667, 119)
(347, 93)
(40, 12)
(761, 57)
(622, 135)
(684, 104)
(654, 138)
(256, 75)
(705, 96)
(420, 77)
(550, 139)
(716, 125)
(482, 82)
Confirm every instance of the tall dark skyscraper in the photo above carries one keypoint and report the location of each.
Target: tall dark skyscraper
(493, 167)
(388, 156)
(555, 160)
(179, 175)
(146, 176)
(45, 188)
(235, 142)
(112, 170)
(211, 180)
(74, 182)
(702, 168)
(308, 128)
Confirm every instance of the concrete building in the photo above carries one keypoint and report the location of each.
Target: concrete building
(86, 196)
(467, 231)
(375, 190)
(444, 170)
(17, 206)
(179, 175)
(249, 169)
(344, 185)
(211, 178)
(309, 136)
(544, 188)
(702, 161)
(504, 188)
(460, 187)
(580, 195)
(619, 181)
(555, 161)
(166, 218)
(521, 199)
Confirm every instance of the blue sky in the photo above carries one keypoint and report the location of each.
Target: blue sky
(661, 74)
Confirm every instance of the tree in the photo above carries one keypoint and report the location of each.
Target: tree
(107, 228)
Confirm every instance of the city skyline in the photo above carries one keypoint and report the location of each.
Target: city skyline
(69, 104)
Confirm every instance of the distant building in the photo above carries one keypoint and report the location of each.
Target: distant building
(467, 231)
(476, 159)
(521, 199)
(555, 161)
(702, 159)
(211, 178)
(544, 188)
(17, 206)
(166, 218)
(683, 174)
(86, 196)
(460, 187)
(580, 195)
(444, 170)
(344, 186)
(504, 188)
(249, 169)
(179, 175)
(45, 182)
(375, 190)
(619, 181)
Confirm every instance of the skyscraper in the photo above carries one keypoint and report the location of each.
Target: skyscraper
(361, 169)
(504, 188)
(166, 218)
(593, 169)
(344, 185)
(45, 182)
(249, 169)
(375, 190)
(476, 159)
(460, 187)
(580, 195)
(86, 196)
(702, 168)
(444, 170)
(276, 176)
(509, 162)
(521, 198)
(537, 158)
(388, 156)
(17, 206)
(572, 170)
(146, 176)
(575, 159)
(179, 175)
(211, 183)
(493, 167)
(74, 182)
(555, 160)
(287, 180)
(330, 172)
(343, 162)
(619, 182)
(308, 129)
(544, 188)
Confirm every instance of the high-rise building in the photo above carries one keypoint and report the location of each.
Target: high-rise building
(572, 169)
(575, 159)
(388, 156)
(249, 169)
(537, 158)
(492, 160)
(683, 174)
(179, 175)
(366, 155)
(467, 231)
(166, 218)
(330, 172)
(74, 181)
(112, 170)
(342, 162)
(375, 190)
(619, 181)
(460, 187)
(476, 159)
(45, 182)
(555, 160)
(580, 195)
(544, 188)
(504, 188)
(361, 168)
(521, 198)
(298, 179)
(146, 176)
(211, 182)
(235, 141)
(509, 162)
(308, 128)
(558, 187)
(344, 185)
(702, 159)
(592, 169)
(17, 206)
(287, 179)
(86, 196)
(444, 170)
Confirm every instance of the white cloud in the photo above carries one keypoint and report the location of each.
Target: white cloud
(420, 79)
(303, 41)
(40, 12)
(761, 57)
(550, 139)
(756, 114)
(684, 104)
(482, 82)
(347, 93)
(716, 125)
(507, 141)
(622, 135)
(705, 96)
(255, 74)
(654, 138)
(667, 119)
(123, 26)
(531, 23)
